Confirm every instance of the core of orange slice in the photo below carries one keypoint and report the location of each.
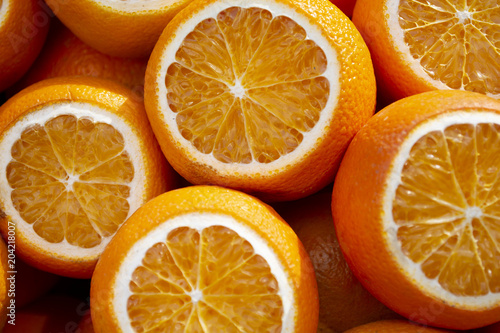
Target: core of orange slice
(425, 210)
(262, 97)
(419, 45)
(206, 259)
(78, 158)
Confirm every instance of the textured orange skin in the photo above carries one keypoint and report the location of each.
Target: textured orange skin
(114, 32)
(4, 283)
(65, 55)
(395, 78)
(211, 199)
(105, 94)
(357, 209)
(22, 35)
(317, 168)
(393, 326)
(344, 302)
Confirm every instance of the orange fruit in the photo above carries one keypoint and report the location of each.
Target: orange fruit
(261, 97)
(416, 209)
(118, 28)
(422, 45)
(343, 302)
(204, 259)
(65, 55)
(53, 313)
(5, 284)
(394, 326)
(23, 28)
(77, 158)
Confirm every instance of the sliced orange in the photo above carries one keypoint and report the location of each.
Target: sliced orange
(123, 28)
(77, 158)
(422, 45)
(262, 97)
(23, 28)
(417, 211)
(204, 259)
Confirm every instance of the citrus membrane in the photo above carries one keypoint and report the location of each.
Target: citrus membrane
(203, 272)
(442, 207)
(261, 69)
(455, 43)
(69, 177)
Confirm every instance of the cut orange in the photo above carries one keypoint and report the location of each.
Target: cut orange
(394, 326)
(261, 97)
(121, 28)
(65, 55)
(422, 45)
(23, 28)
(204, 259)
(417, 211)
(77, 158)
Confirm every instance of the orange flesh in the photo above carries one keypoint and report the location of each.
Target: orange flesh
(447, 208)
(70, 180)
(234, 98)
(208, 281)
(456, 42)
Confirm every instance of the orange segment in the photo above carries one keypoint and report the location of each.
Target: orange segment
(454, 42)
(221, 276)
(218, 56)
(57, 153)
(443, 225)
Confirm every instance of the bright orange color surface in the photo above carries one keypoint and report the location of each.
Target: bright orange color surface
(357, 206)
(22, 34)
(112, 31)
(454, 44)
(157, 284)
(66, 55)
(268, 83)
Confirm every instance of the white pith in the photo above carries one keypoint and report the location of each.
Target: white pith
(4, 8)
(397, 36)
(407, 266)
(198, 221)
(8, 138)
(311, 139)
(131, 6)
